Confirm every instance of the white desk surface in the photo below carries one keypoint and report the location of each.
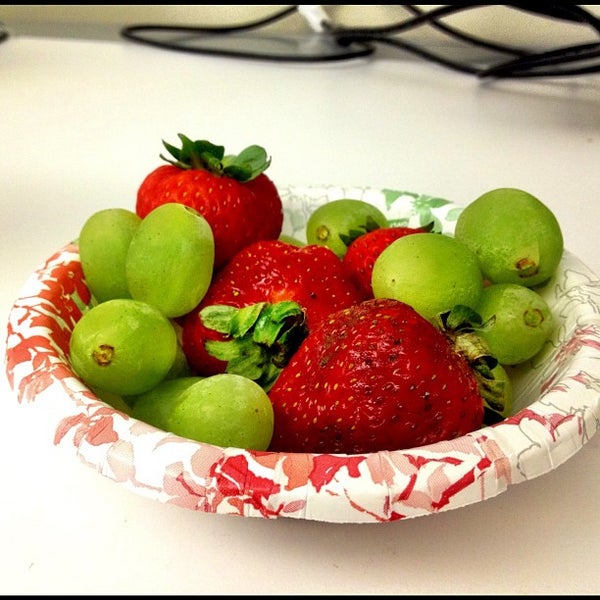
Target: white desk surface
(81, 124)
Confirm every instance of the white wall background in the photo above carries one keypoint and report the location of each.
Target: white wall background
(495, 22)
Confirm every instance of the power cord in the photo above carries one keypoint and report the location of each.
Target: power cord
(232, 41)
(328, 42)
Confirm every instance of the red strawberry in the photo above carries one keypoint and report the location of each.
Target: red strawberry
(364, 250)
(374, 376)
(269, 271)
(240, 203)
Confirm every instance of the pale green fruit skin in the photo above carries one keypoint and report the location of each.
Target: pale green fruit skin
(144, 342)
(155, 405)
(180, 367)
(523, 322)
(288, 239)
(509, 229)
(429, 271)
(116, 401)
(103, 245)
(170, 259)
(328, 220)
(224, 410)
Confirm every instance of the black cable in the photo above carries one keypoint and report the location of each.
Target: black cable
(566, 12)
(525, 64)
(342, 43)
(330, 49)
(131, 31)
(467, 38)
(430, 56)
(429, 18)
(420, 18)
(529, 65)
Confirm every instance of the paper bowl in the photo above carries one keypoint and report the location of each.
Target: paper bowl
(557, 406)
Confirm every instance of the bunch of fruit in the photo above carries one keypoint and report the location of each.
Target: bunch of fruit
(209, 323)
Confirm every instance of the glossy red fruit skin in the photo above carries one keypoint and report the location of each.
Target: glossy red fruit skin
(364, 250)
(238, 213)
(372, 377)
(270, 271)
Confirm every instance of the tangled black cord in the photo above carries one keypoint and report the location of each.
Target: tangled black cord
(190, 39)
(522, 64)
(353, 42)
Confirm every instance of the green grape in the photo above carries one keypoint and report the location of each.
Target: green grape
(288, 239)
(123, 346)
(170, 259)
(155, 405)
(180, 367)
(431, 272)
(516, 237)
(115, 400)
(225, 410)
(517, 322)
(338, 223)
(103, 244)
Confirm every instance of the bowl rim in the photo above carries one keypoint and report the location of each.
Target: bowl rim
(364, 488)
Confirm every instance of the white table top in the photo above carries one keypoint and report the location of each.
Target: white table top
(81, 124)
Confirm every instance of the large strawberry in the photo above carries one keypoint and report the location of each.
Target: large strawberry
(375, 376)
(269, 271)
(240, 203)
(364, 250)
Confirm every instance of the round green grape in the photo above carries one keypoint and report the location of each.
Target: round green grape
(155, 405)
(517, 322)
(103, 245)
(181, 366)
(225, 410)
(123, 346)
(432, 272)
(170, 259)
(338, 223)
(516, 237)
(288, 239)
(115, 400)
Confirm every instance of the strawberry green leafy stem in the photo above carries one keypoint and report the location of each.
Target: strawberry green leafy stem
(461, 325)
(202, 154)
(261, 340)
(369, 225)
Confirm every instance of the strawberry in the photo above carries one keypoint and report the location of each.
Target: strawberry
(374, 376)
(364, 250)
(269, 271)
(240, 203)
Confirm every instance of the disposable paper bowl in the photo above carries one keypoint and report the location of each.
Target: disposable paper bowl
(557, 406)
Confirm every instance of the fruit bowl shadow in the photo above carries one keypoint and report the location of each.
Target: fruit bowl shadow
(557, 406)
